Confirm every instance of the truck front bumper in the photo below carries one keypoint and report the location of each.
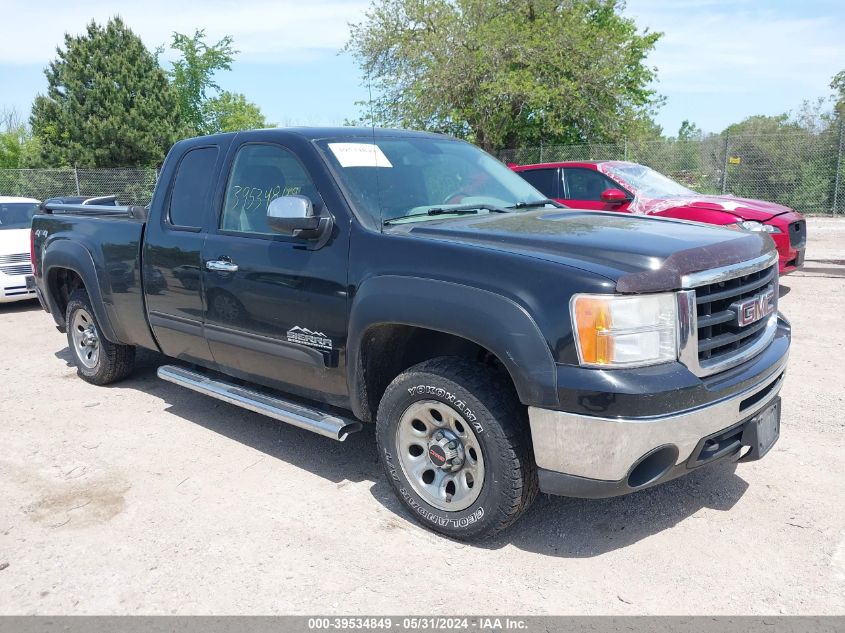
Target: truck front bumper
(588, 456)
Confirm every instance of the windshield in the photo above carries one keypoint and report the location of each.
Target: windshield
(394, 178)
(645, 181)
(17, 215)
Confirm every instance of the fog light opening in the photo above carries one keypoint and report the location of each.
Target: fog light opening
(653, 466)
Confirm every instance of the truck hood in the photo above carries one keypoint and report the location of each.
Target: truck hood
(741, 208)
(14, 241)
(641, 254)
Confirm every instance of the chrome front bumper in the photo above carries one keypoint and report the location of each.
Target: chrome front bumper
(607, 449)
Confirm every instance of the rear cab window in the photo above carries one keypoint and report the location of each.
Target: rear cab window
(190, 196)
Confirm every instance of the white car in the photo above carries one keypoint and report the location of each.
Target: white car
(15, 264)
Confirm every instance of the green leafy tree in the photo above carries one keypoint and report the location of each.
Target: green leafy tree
(17, 143)
(192, 75)
(507, 73)
(689, 131)
(10, 149)
(230, 112)
(838, 85)
(643, 128)
(203, 104)
(108, 103)
(788, 158)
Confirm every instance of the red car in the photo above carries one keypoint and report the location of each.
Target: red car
(632, 188)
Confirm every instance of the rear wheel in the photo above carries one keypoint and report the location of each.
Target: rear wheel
(454, 441)
(98, 360)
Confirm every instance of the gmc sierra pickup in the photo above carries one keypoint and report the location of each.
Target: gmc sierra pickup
(500, 343)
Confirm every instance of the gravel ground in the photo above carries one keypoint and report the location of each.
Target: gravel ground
(147, 498)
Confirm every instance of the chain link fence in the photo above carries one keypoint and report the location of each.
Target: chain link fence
(131, 186)
(803, 171)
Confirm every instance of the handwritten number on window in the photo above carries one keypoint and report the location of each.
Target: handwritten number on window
(254, 198)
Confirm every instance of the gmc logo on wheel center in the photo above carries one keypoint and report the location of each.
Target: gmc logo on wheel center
(753, 309)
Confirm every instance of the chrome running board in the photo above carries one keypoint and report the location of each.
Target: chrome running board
(314, 420)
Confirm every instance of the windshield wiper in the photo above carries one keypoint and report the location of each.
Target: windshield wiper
(465, 209)
(537, 203)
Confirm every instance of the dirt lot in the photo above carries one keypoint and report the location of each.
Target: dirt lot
(147, 498)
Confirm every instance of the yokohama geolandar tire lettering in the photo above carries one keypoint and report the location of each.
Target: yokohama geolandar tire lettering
(98, 360)
(467, 429)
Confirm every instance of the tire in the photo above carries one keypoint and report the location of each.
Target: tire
(485, 448)
(98, 360)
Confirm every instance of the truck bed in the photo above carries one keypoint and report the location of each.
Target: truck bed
(104, 244)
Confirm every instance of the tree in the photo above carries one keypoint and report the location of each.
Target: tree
(838, 85)
(16, 141)
(506, 73)
(192, 75)
(203, 104)
(107, 104)
(789, 158)
(230, 112)
(689, 132)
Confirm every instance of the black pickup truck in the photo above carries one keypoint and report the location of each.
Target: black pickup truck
(501, 344)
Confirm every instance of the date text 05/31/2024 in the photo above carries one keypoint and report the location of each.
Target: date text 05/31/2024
(417, 623)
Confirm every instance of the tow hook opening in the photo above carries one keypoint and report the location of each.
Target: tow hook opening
(653, 466)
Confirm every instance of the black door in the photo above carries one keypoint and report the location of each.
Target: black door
(276, 307)
(173, 258)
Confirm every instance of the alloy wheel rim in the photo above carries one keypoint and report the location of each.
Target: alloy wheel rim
(440, 455)
(86, 340)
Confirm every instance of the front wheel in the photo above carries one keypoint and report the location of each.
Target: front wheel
(454, 441)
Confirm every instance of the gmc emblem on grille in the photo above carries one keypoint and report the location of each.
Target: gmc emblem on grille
(753, 309)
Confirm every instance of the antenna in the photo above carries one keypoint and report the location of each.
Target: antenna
(370, 105)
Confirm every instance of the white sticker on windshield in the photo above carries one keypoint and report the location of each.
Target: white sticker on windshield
(359, 155)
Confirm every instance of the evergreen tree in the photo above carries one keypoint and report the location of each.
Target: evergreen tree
(108, 102)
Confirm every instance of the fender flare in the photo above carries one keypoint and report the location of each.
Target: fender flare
(490, 320)
(73, 256)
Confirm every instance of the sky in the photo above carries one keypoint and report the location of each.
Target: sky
(717, 62)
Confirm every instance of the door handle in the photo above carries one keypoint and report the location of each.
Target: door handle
(221, 266)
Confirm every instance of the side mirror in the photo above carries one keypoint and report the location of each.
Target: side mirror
(294, 216)
(614, 196)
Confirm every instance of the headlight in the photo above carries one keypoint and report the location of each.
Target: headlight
(757, 227)
(622, 331)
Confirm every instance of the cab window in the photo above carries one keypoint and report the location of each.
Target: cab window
(546, 181)
(585, 184)
(260, 174)
(191, 192)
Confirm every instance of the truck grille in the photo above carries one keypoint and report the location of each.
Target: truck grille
(798, 233)
(726, 314)
(19, 269)
(17, 258)
(719, 334)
